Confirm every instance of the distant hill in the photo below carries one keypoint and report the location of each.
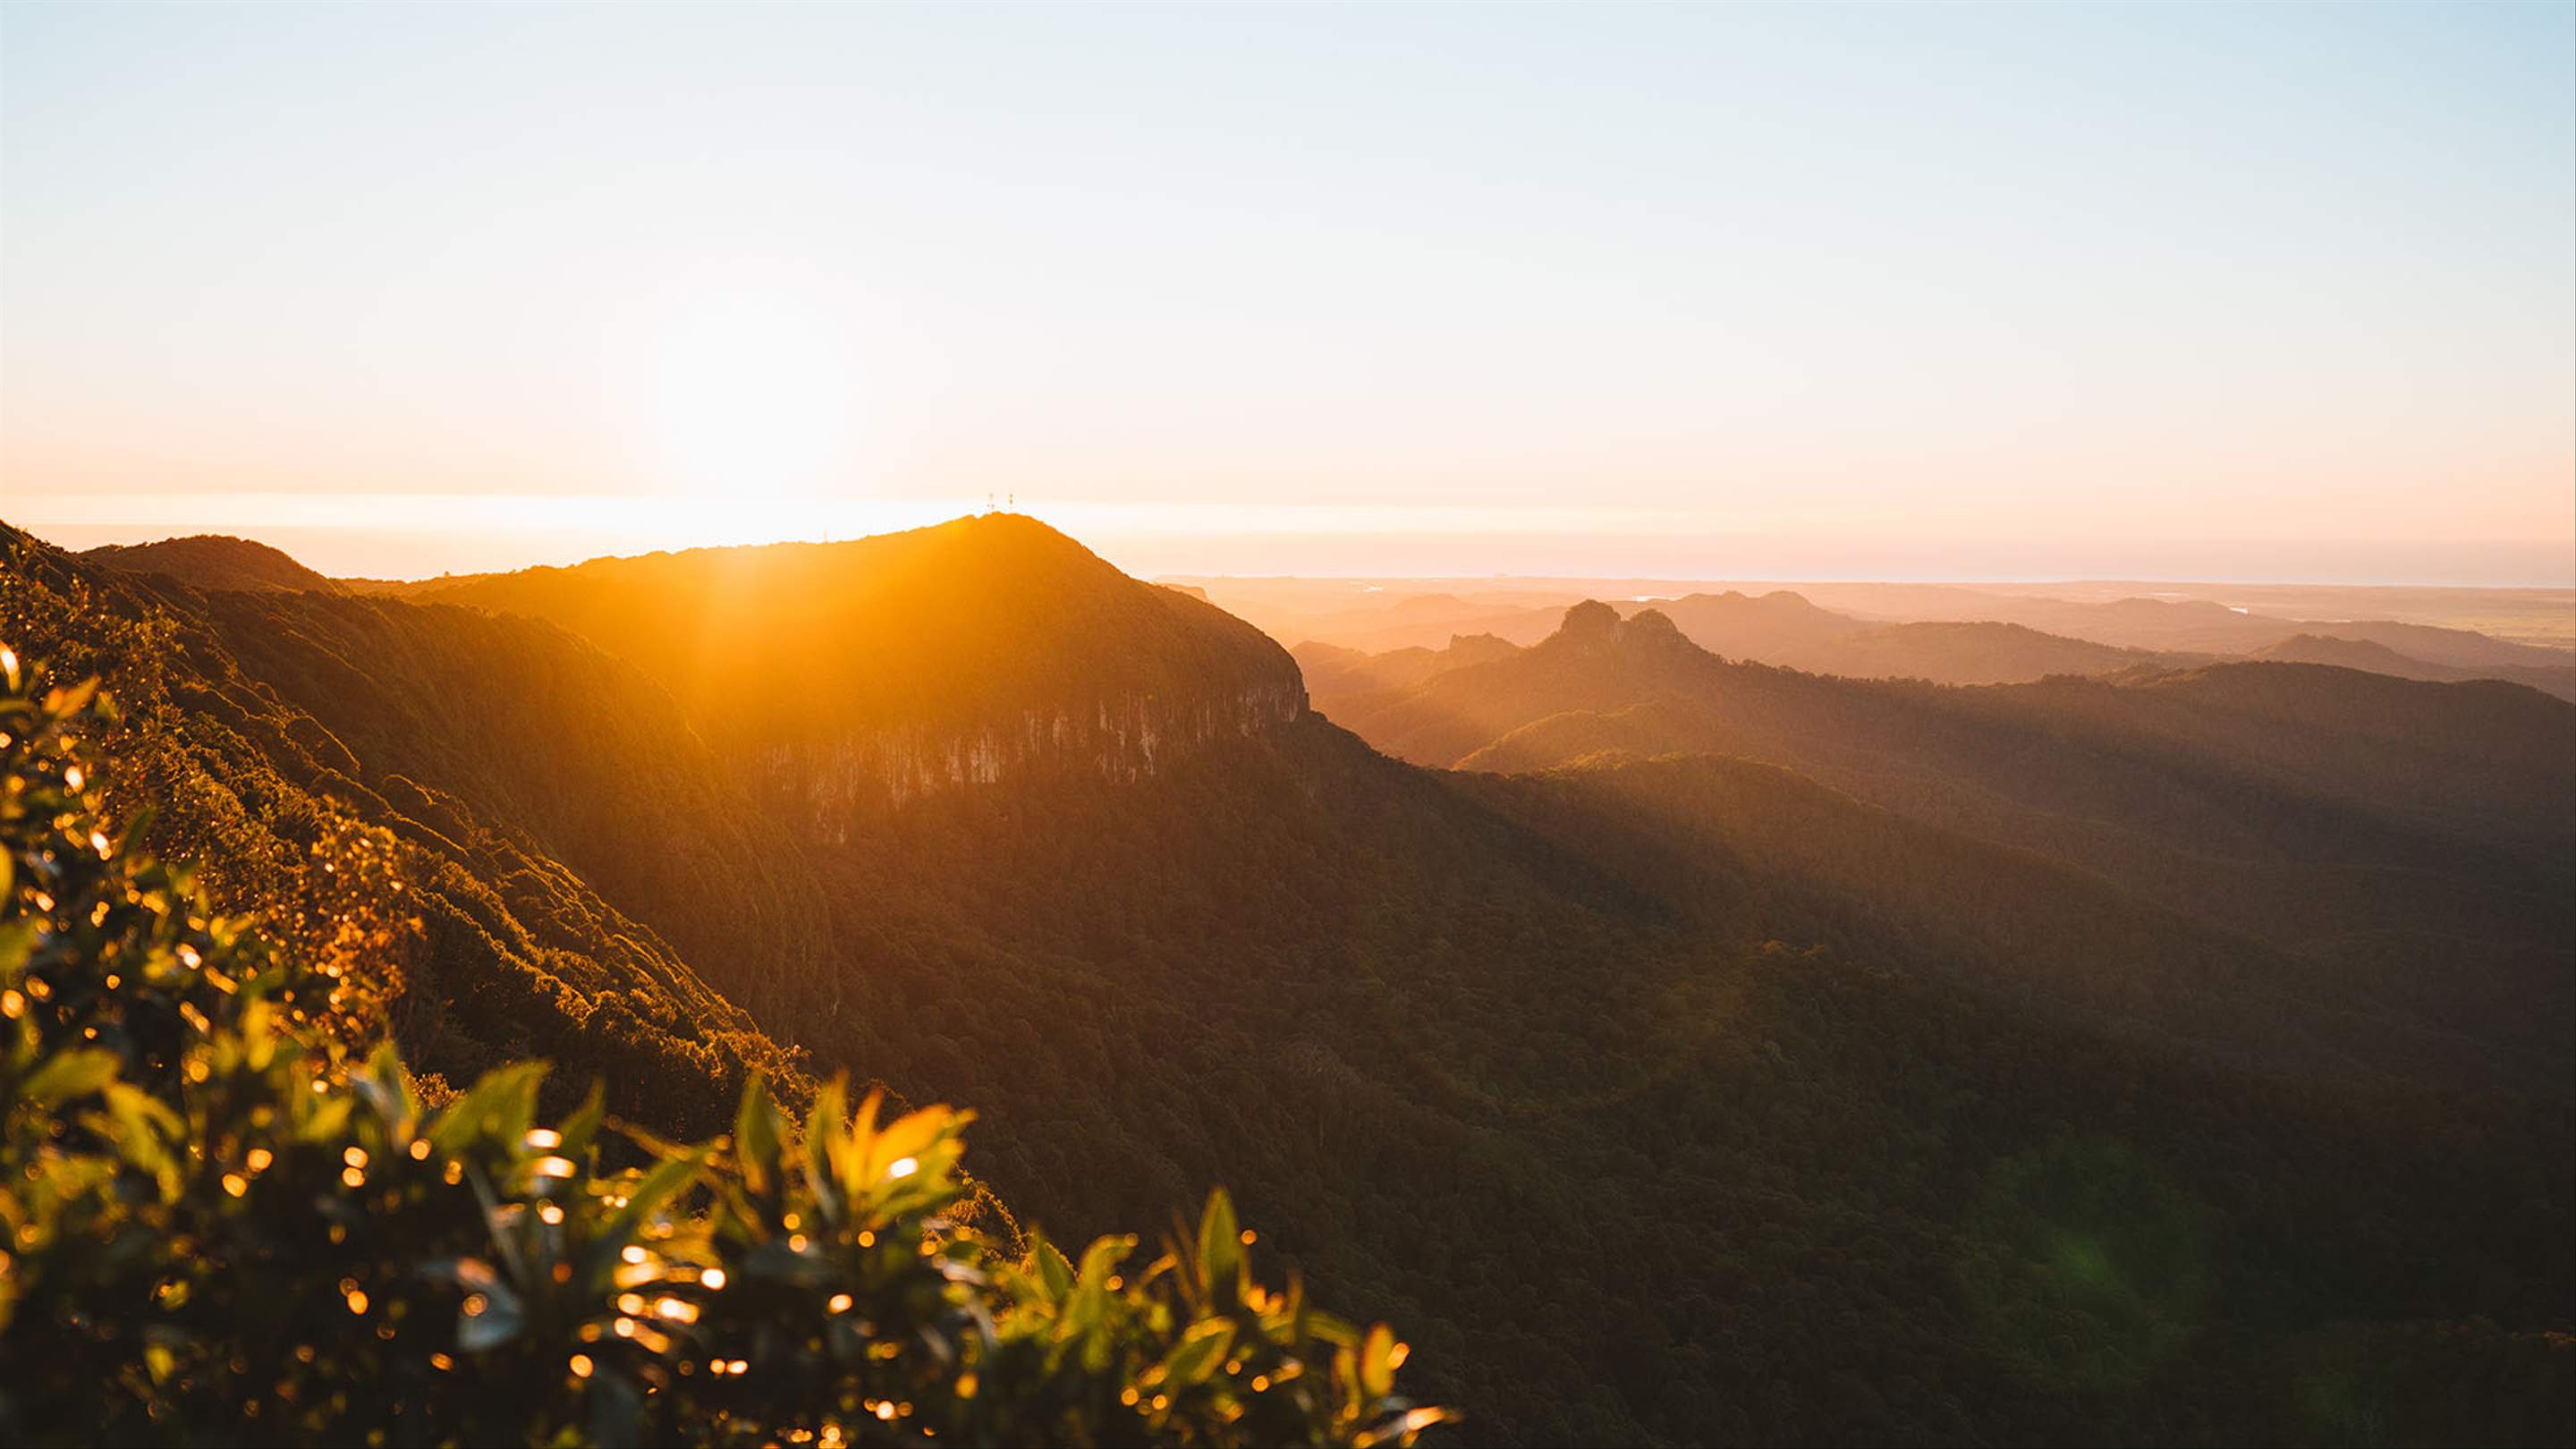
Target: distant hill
(1746, 626)
(1331, 670)
(1782, 627)
(2201, 627)
(2366, 740)
(2322, 808)
(1785, 628)
(1421, 621)
(1981, 652)
(214, 561)
(2381, 659)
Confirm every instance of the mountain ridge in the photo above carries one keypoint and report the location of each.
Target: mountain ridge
(1677, 1100)
(215, 561)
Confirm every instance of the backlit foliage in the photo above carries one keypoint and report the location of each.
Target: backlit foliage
(223, 1225)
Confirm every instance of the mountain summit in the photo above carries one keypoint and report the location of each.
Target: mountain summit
(213, 561)
(1595, 625)
(866, 673)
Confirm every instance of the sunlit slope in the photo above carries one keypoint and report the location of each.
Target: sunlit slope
(857, 675)
(518, 953)
(586, 758)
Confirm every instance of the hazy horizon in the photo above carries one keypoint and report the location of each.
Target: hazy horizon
(2276, 294)
(404, 554)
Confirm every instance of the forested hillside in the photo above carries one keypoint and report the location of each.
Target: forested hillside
(2176, 1058)
(224, 1226)
(214, 561)
(515, 952)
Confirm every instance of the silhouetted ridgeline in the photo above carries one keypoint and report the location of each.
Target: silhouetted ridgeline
(2178, 1056)
(214, 561)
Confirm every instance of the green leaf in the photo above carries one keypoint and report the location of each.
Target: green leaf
(756, 1136)
(1199, 1352)
(499, 1106)
(663, 1181)
(1377, 1367)
(70, 698)
(583, 1124)
(1086, 1308)
(827, 1143)
(1102, 1258)
(1220, 1250)
(1054, 1270)
(69, 1074)
(388, 1092)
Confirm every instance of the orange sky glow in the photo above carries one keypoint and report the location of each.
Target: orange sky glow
(1727, 291)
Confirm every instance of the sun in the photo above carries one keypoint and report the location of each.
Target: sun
(746, 394)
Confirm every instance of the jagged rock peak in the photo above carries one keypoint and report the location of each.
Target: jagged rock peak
(1591, 619)
(1596, 625)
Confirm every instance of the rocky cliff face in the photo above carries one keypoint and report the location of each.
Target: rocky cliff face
(826, 788)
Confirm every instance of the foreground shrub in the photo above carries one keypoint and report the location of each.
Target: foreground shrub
(222, 1226)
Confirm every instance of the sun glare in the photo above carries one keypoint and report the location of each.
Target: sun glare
(748, 394)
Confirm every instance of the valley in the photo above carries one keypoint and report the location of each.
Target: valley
(1682, 1048)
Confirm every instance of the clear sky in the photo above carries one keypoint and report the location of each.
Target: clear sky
(2182, 291)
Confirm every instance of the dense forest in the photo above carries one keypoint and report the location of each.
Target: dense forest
(1720, 1052)
(223, 1226)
